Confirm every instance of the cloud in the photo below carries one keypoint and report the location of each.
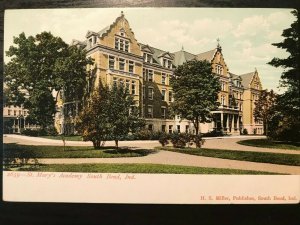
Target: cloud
(252, 26)
(196, 35)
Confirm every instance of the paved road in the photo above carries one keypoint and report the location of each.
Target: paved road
(163, 157)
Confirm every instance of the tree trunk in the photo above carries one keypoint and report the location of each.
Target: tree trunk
(117, 143)
(197, 125)
(97, 144)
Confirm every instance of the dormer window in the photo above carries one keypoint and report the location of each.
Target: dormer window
(121, 44)
(92, 41)
(148, 58)
(166, 63)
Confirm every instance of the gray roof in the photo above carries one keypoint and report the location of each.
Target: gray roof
(157, 53)
(246, 78)
(207, 55)
(182, 56)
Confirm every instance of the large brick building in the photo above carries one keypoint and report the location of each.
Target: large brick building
(146, 71)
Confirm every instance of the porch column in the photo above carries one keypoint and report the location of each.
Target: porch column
(222, 118)
(227, 122)
(232, 122)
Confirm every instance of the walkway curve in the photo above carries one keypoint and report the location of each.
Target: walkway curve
(161, 157)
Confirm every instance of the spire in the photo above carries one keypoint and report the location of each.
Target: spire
(218, 45)
(182, 48)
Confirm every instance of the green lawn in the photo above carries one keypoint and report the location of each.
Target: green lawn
(266, 143)
(134, 168)
(29, 151)
(67, 138)
(264, 157)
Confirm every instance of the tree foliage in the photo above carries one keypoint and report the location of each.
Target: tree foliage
(109, 114)
(265, 108)
(39, 67)
(195, 92)
(286, 122)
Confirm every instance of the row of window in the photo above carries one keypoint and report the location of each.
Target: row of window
(121, 44)
(149, 113)
(16, 112)
(170, 128)
(238, 95)
(122, 64)
(163, 94)
(130, 85)
(148, 75)
(219, 69)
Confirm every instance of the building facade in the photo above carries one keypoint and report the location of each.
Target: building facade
(14, 120)
(119, 59)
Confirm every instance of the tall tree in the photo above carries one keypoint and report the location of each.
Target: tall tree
(289, 102)
(265, 108)
(123, 113)
(39, 67)
(195, 92)
(93, 121)
(110, 113)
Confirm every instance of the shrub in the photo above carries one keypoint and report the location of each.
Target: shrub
(179, 140)
(245, 131)
(198, 140)
(143, 135)
(214, 133)
(164, 139)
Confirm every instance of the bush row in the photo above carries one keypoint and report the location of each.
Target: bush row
(180, 140)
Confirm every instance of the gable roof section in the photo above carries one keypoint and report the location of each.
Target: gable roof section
(247, 78)
(181, 57)
(209, 55)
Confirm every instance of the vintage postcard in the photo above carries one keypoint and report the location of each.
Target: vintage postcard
(151, 105)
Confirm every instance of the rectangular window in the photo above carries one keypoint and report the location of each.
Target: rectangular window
(163, 78)
(150, 111)
(90, 42)
(127, 85)
(150, 93)
(126, 46)
(25, 113)
(163, 95)
(147, 57)
(178, 128)
(95, 40)
(133, 87)
(187, 127)
(150, 75)
(20, 112)
(15, 112)
(131, 67)
(117, 43)
(145, 74)
(163, 128)
(150, 127)
(111, 62)
(121, 82)
(122, 64)
(115, 81)
(121, 44)
(170, 129)
(8, 112)
(170, 96)
(163, 112)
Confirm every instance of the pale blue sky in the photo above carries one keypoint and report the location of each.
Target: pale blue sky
(245, 34)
